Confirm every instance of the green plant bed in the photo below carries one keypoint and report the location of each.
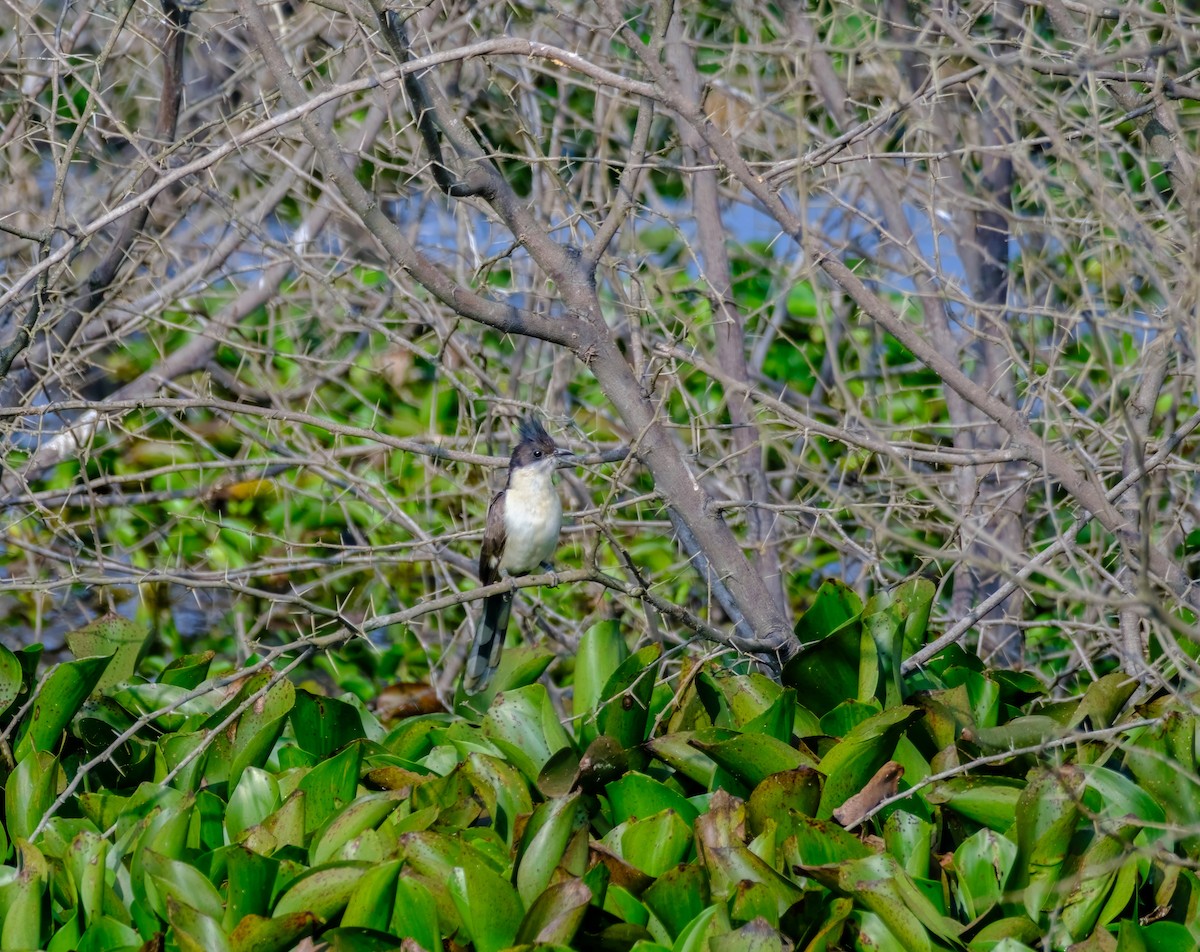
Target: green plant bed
(711, 808)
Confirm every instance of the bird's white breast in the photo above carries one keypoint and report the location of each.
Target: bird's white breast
(532, 519)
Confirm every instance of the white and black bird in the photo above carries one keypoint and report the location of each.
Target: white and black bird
(523, 523)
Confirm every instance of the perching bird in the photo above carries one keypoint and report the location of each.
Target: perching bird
(523, 523)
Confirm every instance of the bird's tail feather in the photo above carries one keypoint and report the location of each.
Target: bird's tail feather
(484, 656)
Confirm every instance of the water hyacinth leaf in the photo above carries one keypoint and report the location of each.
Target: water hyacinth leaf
(909, 838)
(777, 720)
(990, 801)
(620, 902)
(330, 786)
(601, 651)
(503, 790)
(827, 673)
(254, 799)
(754, 757)
(22, 900)
(546, 837)
(737, 699)
(29, 793)
(173, 879)
(982, 864)
(193, 930)
(61, 695)
(679, 752)
(1101, 868)
(121, 640)
(488, 905)
(85, 861)
(277, 934)
(1162, 760)
(698, 934)
(251, 877)
(1015, 932)
(524, 725)
(415, 913)
(653, 844)
(678, 896)
(11, 678)
(852, 762)
(108, 935)
(256, 729)
(324, 725)
(783, 794)
(324, 891)
(1112, 795)
(1047, 814)
(637, 795)
(1103, 700)
(365, 813)
(758, 935)
(625, 709)
(188, 671)
(373, 899)
(556, 915)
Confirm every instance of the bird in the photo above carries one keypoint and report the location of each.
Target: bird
(523, 523)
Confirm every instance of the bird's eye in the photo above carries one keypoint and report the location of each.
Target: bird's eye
(537, 454)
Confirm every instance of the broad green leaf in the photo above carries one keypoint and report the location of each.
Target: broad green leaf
(10, 678)
(29, 793)
(277, 934)
(681, 752)
(826, 672)
(113, 637)
(757, 935)
(324, 725)
(550, 829)
(754, 757)
(678, 896)
(555, 916)
(1047, 814)
(324, 892)
(653, 844)
(187, 672)
(523, 724)
(636, 795)
(373, 899)
(62, 694)
(254, 799)
(173, 879)
(107, 935)
(991, 801)
(85, 862)
(488, 905)
(601, 651)
(625, 709)
(331, 786)
(193, 930)
(22, 899)
(909, 839)
(365, 813)
(854, 761)
(251, 888)
(415, 913)
(982, 863)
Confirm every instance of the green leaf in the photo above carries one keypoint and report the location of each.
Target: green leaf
(601, 651)
(415, 913)
(254, 799)
(653, 844)
(982, 863)
(854, 761)
(11, 680)
(195, 931)
(187, 672)
(62, 694)
(330, 786)
(173, 879)
(555, 916)
(277, 934)
(626, 707)
(523, 724)
(991, 801)
(324, 725)
(754, 757)
(550, 829)
(29, 793)
(488, 905)
(113, 637)
(636, 795)
(22, 899)
(365, 813)
(374, 897)
(678, 896)
(323, 892)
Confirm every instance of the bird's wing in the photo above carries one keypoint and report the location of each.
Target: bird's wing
(493, 541)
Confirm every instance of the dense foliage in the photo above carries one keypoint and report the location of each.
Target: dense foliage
(193, 811)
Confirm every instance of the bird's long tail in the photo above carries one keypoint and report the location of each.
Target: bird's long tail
(484, 655)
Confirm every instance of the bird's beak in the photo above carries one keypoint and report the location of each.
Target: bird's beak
(565, 457)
